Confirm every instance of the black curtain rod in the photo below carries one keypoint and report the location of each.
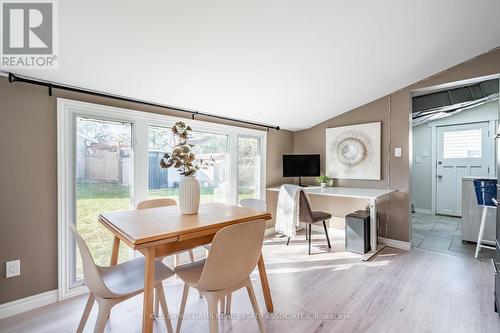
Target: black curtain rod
(52, 85)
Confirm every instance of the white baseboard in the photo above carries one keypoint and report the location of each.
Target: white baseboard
(27, 303)
(423, 211)
(269, 231)
(387, 241)
(395, 243)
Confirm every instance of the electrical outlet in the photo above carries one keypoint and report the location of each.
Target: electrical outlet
(12, 268)
(397, 152)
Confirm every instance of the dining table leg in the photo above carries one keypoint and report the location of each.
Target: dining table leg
(149, 274)
(114, 251)
(265, 284)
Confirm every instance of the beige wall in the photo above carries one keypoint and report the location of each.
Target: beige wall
(394, 112)
(28, 182)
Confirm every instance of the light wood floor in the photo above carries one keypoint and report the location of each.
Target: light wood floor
(417, 291)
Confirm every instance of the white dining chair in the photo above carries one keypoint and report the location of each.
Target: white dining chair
(114, 284)
(163, 202)
(256, 204)
(233, 256)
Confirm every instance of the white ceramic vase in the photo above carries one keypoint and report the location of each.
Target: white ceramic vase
(189, 195)
(323, 185)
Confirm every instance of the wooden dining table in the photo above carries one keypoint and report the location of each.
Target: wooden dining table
(157, 232)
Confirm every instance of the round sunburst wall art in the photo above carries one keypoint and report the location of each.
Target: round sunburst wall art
(352, 148)
(353, 152)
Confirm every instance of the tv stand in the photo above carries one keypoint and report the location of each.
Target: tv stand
(300, 183)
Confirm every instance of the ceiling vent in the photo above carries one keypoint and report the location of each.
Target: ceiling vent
(445, 103)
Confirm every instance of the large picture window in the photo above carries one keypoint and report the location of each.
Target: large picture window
(109, 159)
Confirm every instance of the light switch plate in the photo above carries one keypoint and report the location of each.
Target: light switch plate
(12, 268)
(397, 152)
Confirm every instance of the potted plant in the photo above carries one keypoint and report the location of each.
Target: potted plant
(184, 160)
(322, 180)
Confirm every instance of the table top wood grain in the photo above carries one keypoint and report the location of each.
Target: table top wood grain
(139, 228)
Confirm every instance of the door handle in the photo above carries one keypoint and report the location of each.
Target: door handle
(440, 176)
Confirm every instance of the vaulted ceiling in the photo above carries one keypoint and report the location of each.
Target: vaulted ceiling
(284, 62)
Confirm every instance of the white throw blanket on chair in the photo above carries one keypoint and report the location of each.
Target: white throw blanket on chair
(287, 212)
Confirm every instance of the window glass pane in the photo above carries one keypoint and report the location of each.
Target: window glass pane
(462, 144)
(213, 181)
(163, 183)
(248, 168)
(103, 182)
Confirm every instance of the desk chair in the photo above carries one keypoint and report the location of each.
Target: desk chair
(310, 217)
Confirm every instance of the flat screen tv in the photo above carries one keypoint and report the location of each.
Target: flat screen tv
(301, 166)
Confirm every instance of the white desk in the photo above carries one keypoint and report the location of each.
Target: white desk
(370, 194)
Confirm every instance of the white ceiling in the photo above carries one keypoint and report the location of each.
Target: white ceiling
(283, 62)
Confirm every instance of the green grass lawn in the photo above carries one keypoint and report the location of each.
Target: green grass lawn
(93, 199)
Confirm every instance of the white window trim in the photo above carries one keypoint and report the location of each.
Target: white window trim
(68, 110)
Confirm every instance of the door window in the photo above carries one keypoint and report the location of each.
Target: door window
(462, 144)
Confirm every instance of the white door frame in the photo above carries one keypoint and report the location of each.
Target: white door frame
(491, 129)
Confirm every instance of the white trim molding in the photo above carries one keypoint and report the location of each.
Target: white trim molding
(28, 303)
(269, 231)
(396, 243)
(423, 210)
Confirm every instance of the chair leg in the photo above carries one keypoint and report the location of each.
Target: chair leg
(104, 310)
(86, 313)
(481, 231)
(157, 303)
(287, 241)
(191, 255)
(307, 226)
(212, 300)
(310, 238)
(255, 306)
(326, 233)
(185, 294)
(160, 293)
(223, 304)
(228, 303)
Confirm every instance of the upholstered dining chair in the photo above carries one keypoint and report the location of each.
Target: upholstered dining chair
(309, 217)
(233, 256)
(114, 284)
(162, 202)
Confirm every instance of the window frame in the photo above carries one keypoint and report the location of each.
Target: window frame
(67, 113)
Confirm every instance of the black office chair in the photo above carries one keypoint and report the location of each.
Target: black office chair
(309, 217)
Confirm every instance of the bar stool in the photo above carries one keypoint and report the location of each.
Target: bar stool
(486, 193)
(480, 242)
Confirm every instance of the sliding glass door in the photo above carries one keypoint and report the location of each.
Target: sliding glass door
(103, 182)
(109, 160)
